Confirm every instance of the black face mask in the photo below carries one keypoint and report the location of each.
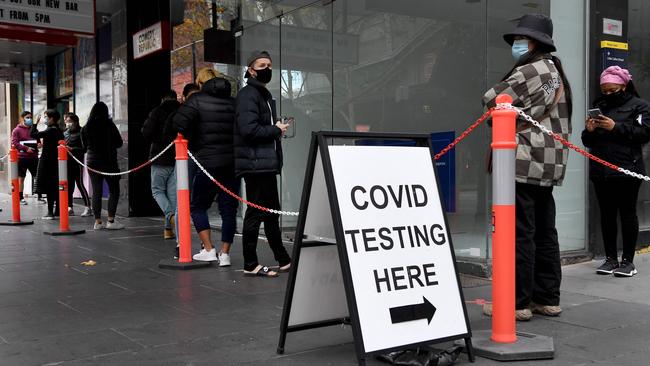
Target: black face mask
(264, 75)
(615, 98)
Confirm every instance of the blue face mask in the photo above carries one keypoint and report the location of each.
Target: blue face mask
(519, 48)
(28, 121)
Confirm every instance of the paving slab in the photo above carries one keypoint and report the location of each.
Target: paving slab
(125, 310)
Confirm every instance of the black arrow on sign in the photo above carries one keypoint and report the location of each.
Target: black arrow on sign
(409, 313)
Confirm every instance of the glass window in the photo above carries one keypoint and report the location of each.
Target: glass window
(571, 198)
(39, 80)
(85, 83)
(419, 69)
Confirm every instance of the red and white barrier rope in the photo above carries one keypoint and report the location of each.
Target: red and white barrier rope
(125, 172)
(571, 146)
(233, 194)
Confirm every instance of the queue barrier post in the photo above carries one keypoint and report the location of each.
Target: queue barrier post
(64, 219)
(15, 192)
(503, 342)
(183, 219)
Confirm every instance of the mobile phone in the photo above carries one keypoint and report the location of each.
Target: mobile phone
(594, 113)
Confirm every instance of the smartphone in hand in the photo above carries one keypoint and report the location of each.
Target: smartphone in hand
(594, 113)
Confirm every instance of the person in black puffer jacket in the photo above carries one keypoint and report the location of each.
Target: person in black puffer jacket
(72, 135)
(101, 138)
(163, 177)
(207, 120)
(258, 159)
(48, 170)
(618, 136)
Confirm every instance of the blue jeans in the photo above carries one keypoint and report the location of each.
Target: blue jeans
(163, 189)
(204, 191)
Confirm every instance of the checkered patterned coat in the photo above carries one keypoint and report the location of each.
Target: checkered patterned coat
(540, 159)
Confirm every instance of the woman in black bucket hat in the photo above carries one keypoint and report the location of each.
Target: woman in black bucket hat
(539, 87)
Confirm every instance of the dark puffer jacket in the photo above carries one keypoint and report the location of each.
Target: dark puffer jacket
(257, 140)
(152, 130)
(207, 120)
(621, 146)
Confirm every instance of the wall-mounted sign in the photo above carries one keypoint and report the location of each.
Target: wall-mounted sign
(614, 54)
(77, 16)
(613, 27)
(12, 75)
(149, 40)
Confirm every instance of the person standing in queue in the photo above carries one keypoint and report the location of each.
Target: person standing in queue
(101, 138)
(207, 119)
(47, 175)
(163, 171)
(617, 134)
(258, 159)
(27, 155)
(539, 87)
(72, 135)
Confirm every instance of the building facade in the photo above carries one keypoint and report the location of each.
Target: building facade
(354, 65)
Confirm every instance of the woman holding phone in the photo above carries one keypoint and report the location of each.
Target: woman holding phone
(617, 135)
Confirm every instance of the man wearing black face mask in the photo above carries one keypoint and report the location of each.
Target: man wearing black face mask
(258, 159)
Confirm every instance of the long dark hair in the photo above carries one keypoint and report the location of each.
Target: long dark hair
(98, 113)
(539, 51)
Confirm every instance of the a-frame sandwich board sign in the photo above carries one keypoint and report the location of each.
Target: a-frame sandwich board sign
(372, 246)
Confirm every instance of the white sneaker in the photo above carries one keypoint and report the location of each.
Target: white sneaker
(98, 226)
(114, 225)
(23, 202)
(87, 212)
(70, 211)
(206, 256)
(224, 260)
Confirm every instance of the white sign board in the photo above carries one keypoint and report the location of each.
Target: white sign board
(76, 16)
(613, 27)
(400, 257)
(148, 41)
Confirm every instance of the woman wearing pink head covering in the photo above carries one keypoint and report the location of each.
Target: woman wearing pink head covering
(617, 135)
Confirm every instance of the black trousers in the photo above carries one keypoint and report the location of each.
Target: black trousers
(75, 176)
(538, 268)
(262, 189)
(617, 196)
(97, 182)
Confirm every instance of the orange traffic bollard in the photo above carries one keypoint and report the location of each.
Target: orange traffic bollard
(503, 234)
(15, 191)
(64, 220)
(503, 343)
(183, 218)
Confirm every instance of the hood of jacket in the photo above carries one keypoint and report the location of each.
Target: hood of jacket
(217, 87)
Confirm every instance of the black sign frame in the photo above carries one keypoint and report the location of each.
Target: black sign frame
(319, 144)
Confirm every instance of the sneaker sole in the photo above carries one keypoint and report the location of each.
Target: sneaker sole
(224, 265)
(205, 260)
(604, 272)
(621, 274)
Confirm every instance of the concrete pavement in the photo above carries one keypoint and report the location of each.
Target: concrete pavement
(124, 310)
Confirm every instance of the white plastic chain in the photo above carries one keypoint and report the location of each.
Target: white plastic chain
(3, 157)
(552, 134)
(125, 172)
(277, 212)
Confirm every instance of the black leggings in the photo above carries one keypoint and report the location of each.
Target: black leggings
(617, 196)
(97, 182)
(75, 176)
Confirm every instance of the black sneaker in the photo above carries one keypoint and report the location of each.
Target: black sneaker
(176, 252)
(608, 266)
(626, 269)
